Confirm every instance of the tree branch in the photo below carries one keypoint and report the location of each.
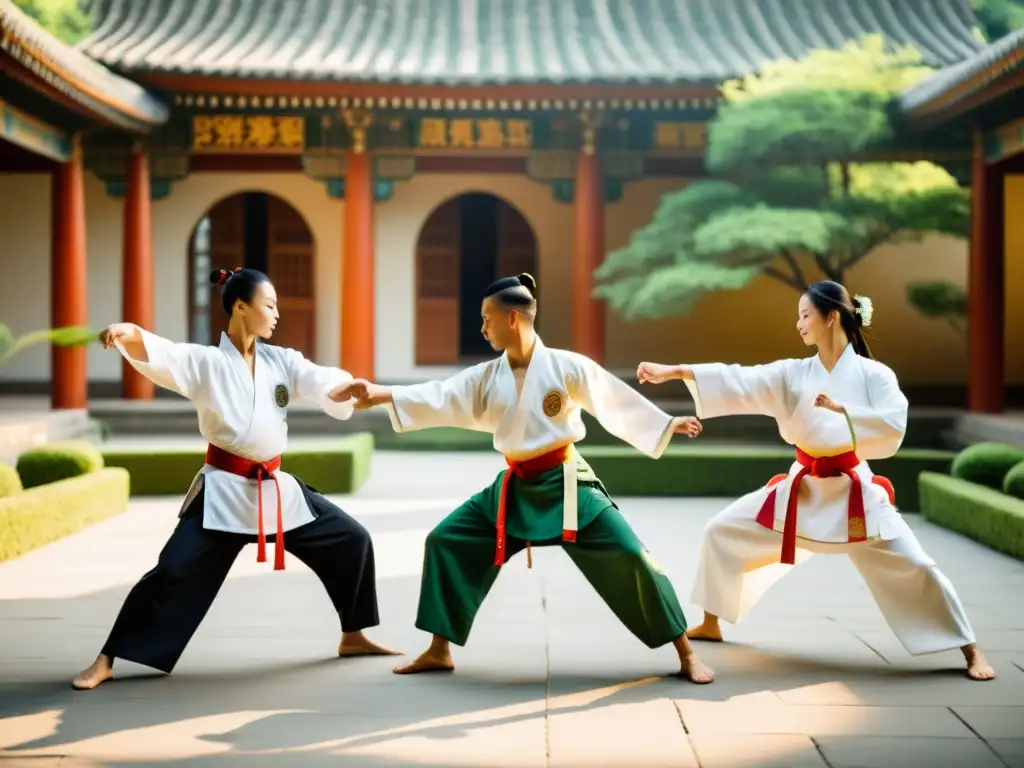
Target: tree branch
(798, 274)
(783, 278)
(830, 272)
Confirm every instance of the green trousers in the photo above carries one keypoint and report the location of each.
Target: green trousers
(459, 570)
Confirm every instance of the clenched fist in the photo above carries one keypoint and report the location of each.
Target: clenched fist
(688, 425)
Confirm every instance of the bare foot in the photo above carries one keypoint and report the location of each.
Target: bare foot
(101, 670)
(978, 667)
(695, 670)
(428, 661)
(358, 644)
(706, 631)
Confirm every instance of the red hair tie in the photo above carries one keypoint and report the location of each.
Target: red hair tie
(223, 275)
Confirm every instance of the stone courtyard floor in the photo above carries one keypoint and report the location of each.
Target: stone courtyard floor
(813, 677)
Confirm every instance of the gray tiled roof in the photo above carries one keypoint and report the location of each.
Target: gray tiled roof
(75, 74)
(1005, 54)
(506, 41)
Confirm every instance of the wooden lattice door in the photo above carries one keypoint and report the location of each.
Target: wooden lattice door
(437, 287)
(517, 247)
(227, 251)
(290, 264)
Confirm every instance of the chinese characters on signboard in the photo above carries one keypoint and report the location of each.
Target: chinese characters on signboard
(470, 133)
(679, 135)
(239, 133)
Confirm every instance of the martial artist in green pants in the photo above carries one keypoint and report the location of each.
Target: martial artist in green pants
(531, 399)
(458, 569)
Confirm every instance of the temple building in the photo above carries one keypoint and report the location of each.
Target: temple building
(384, 161)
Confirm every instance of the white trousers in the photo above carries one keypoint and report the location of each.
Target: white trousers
(739, 562)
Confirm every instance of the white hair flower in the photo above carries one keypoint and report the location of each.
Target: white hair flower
(864, 308)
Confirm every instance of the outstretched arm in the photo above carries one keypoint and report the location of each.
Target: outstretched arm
(626, 413)
(169, 364)
(727, 390)
(318, 384)
(453, 402)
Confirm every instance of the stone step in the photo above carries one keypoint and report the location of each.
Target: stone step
(29, 429)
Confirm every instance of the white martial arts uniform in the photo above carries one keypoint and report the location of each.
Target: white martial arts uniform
(740, 557)
(244, 414)
(537, 411)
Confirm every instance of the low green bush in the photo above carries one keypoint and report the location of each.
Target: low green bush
(978, 512)
(58, 461)
(10, 481)
(986, 463)
(1013, 483)
(41, 515)
(733, 471)
(337, 465)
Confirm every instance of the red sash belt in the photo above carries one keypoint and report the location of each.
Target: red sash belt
(828, 466)
(524, 470)
(255, 470)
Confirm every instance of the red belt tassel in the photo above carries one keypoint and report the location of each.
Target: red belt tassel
(523, 470)
(828, 466)
(255, 470)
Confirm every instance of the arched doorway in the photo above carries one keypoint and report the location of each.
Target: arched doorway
(260, 231)
(465, 244)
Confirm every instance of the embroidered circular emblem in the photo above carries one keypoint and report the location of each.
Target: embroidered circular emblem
(857, 529)
(553, 402)
(281, 395)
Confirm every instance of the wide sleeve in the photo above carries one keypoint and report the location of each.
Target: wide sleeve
(314, 382)
(622, 410)
(172, 365)
(453, 402)
(732, 390)
(878, 429)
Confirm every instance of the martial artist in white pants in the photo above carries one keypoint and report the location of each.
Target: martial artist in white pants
(839, 409)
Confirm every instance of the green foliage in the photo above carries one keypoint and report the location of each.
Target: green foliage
(42, 515)
(986, 463)
(61, 18)
(940, 301)
(720, 471)
(58, 461)
(983, 514)
(341, 465)
(998, 18)
(10, 481)
(1013, 483)
(69, 336)
(788, 139)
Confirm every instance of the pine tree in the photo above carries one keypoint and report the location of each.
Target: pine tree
(787, 186)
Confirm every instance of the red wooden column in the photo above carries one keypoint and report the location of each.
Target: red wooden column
(985, 283)
(68, 298)
(588, 314)
(137, 289)
(357, 279)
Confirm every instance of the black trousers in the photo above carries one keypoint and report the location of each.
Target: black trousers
(163, 611)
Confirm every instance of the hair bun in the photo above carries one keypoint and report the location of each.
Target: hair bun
(528, 281)
(863, 310)
(219, 276)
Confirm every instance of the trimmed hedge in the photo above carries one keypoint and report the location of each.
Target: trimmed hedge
(1013, 483)
(42, 515)
(10, 481)
(58, 461)
(730, 472)
(978, 512)
(986, 463)
(340, 465)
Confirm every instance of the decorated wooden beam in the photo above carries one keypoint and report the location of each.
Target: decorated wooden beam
(1005, 142)
(34, 135)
